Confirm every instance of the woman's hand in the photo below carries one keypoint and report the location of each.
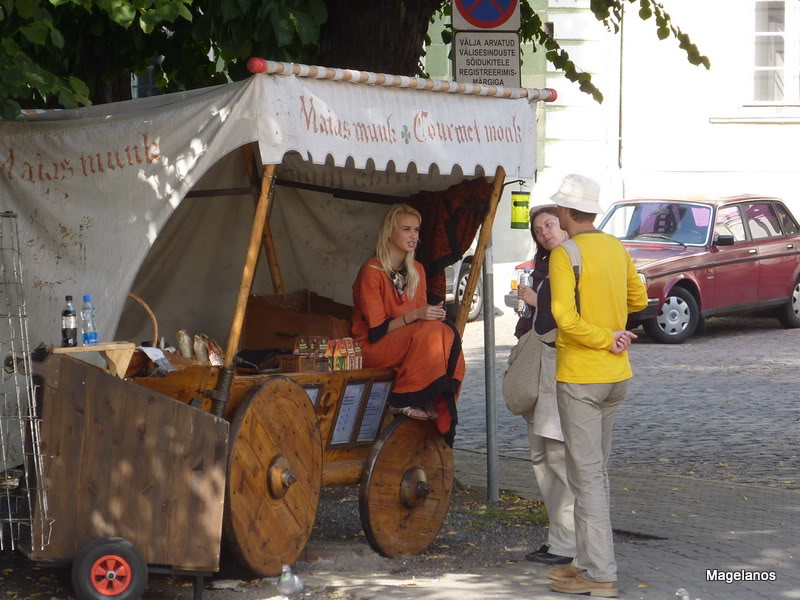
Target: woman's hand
(429, 313)
(527, 295)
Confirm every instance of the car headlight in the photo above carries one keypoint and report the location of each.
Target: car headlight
(642, 278)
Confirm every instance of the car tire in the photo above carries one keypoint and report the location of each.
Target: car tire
(789, 315)
(677, 320)
(477, 300)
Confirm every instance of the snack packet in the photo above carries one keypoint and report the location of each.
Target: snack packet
(340, 356)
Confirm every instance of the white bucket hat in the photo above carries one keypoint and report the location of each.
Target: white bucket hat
(580, 193)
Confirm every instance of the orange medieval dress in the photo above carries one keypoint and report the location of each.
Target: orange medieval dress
(426, 355)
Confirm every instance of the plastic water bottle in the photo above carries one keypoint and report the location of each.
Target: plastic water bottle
(88, 322)
(523, 309)
(69, 325)
(289, 585)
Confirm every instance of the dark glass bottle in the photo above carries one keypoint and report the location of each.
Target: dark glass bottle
(69, 325)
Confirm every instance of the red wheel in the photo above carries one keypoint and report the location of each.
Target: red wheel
(108, 568)
(110, 575)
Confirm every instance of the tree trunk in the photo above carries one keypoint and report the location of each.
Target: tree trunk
(113, 90)
(384, 36)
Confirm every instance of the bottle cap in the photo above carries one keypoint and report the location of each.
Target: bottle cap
(68, 298)
(87, 298)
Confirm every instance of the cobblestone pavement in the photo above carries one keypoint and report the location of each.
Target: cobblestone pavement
(723, 406)
(678, 528)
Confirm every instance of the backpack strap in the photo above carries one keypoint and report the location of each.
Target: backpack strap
(576, 261)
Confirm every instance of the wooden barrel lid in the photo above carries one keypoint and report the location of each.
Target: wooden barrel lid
(274, 476)
(406, 488)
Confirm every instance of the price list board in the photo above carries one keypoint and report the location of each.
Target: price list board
(349, 411)
(373, 413)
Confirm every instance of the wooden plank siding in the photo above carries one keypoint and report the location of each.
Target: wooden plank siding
(123, 460)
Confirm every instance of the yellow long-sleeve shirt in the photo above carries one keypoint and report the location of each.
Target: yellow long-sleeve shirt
(609, 289)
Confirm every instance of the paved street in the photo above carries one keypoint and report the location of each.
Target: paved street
(722, 406)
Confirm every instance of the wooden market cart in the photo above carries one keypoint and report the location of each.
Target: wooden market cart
(295, 432)
(163, 468)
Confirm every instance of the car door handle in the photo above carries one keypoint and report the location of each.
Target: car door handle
(790, 246)
(752, 251)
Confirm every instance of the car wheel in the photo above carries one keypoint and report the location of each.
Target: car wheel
(461, 286)
(677, 320)
(790, 313)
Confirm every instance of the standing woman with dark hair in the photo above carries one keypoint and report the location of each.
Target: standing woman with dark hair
(548, 455)
(397, 328)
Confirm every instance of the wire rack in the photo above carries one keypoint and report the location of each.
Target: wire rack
(23, 498)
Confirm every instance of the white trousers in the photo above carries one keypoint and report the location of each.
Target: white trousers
(548, 459)
(588, 412)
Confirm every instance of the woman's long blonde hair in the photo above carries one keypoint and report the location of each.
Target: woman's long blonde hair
(384, 244)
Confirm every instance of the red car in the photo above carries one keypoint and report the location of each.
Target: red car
(702, 258)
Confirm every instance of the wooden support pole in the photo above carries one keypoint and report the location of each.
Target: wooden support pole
(248, 272)
(267, 240)
(480, 251)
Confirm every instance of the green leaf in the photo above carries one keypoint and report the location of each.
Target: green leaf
(167, 12)
(26, 8)
(57, 38)
(9, 109)
(447, 36)
(307, 30)
(663, 33)
(79, 87)
(59, 2)
(147, 27)
(10, 46)
(66, 99)
(645, 13)
(282, 26)
(121, 12)
(35, 33)
(185, 12)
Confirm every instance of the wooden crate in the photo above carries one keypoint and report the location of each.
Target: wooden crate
(275, 321)
(292, 363)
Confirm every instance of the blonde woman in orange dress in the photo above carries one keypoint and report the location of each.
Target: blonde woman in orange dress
(397, 328)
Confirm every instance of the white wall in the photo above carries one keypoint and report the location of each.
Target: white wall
(687, 130)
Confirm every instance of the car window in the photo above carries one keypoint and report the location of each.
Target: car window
(729, 222)
(789, 224)
(762, 221)
(659, 222)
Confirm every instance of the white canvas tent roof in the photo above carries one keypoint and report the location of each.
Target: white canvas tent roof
(101, 191)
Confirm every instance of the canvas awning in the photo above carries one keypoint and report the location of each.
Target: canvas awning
(96, 187)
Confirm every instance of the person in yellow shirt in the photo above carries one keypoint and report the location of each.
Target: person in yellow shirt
(590, 305)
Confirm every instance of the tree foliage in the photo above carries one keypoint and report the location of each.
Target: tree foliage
(73, 52)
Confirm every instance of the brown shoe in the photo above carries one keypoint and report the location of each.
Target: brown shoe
(582, 585)
(565, 573)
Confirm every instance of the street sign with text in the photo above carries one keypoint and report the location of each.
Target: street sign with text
(487, 58)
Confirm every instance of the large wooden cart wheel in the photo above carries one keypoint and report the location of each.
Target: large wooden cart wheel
(406, 488)
(274, 476)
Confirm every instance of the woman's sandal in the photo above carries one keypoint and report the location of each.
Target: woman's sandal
(411, 412)
(432, 413)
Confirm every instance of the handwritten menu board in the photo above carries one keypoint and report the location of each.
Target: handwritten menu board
(376, 401)
(348, 413)
(313, 393)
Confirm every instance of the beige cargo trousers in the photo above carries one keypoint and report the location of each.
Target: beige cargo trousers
(588, 412)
